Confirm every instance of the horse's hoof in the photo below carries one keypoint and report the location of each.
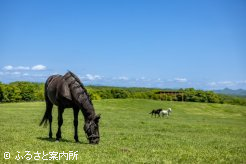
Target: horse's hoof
(57, 141)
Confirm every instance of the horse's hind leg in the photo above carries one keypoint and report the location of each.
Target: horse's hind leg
(75, 123)
(49, 107)
(60, 122)
(48, 114)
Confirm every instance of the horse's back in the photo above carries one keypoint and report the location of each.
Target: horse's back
(51, 88)
(57, 90)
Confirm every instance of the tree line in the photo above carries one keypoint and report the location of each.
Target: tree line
(21, 91)
(29, 91)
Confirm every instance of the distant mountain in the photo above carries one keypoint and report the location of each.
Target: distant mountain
(227, 91)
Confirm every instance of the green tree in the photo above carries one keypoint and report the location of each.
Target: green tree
(11, 94)
(213, 98)
(1, 92)
(119, 93)
(26, 90)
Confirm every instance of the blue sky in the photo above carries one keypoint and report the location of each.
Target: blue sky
(166, 43)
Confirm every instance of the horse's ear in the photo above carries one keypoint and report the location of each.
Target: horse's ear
(97, 118)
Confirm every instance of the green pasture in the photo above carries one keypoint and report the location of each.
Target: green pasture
(194, 133)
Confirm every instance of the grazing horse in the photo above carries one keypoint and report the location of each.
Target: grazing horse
(68, 92)
(155, 112)
(165, 112)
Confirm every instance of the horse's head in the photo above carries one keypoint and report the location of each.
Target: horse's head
(91, 129)
(170, 110)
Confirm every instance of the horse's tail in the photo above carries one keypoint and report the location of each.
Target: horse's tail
(47, 114)
(45, 119)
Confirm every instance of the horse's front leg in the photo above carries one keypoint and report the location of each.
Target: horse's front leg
(60, 122)
(75, 123)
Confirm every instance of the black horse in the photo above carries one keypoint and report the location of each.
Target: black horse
(155, 112)
(68, 92)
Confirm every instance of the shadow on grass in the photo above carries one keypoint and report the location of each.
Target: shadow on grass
(61, 140)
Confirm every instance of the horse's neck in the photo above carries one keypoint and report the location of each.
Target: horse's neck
(80, 95)
(88, 114)
(87, 110)
(82, 99)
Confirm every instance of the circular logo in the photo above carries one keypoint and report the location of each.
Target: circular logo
(6, 155)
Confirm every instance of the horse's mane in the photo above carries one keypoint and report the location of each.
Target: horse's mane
(80, 85)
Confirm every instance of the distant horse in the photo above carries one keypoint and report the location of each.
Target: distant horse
(155, 112)
(165, 112)
(68, 92)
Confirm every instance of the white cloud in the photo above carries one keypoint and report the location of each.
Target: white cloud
(212, 84)
(11, 73)
(222, 84)
(22, 68)
(142, 79)
(39, 75)
(180, 80)
(16, 73)
(39, 67)
(91, 77)
(18, 68)
(8, 68)
(121, 78)
(227, 84)
(241, 82)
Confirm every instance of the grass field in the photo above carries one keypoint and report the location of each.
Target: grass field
(194, 133)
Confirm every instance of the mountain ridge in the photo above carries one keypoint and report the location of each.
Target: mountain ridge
(227, 91)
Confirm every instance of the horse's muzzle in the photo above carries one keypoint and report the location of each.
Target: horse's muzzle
(94, 141)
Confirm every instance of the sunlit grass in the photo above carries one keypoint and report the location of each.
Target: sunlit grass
(195, 132)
